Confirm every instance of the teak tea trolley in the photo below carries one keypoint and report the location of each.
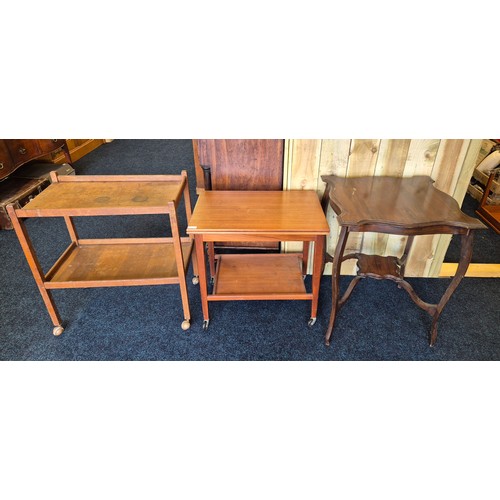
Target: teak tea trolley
(394, 205)
(273, 216)
(109, 262)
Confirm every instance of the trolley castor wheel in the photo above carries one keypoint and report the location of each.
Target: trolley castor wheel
(311, 322)
(185, 325)
(205, 324)
(195, 280)
(57, 330)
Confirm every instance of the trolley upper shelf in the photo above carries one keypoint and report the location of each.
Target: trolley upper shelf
(106, 195)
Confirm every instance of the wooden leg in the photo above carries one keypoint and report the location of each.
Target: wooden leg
(305, 256)
(35, 267)
(211, 259)
(319, 246)
(179, 259)
(187, 206)
(200, 255)
(465, 258)
(337, 261)
(404, 257)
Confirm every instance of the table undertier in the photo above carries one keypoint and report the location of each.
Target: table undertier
(257, 277)
(123, 262)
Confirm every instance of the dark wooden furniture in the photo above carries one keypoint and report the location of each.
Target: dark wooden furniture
(239, 164)
(394, 205)
(490, 213)
(17, 152)
(90, 263)
(259, 216)
(17, 191)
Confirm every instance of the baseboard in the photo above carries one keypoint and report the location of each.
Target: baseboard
(474, 270)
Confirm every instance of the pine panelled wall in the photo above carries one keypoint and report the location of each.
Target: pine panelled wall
(450, 163)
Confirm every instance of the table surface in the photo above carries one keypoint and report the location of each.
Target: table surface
(409, 202)
(258, 212)
(96, 197)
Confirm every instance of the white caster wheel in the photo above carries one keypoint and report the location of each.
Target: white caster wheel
(185, 325)
(57, 330)
(195, 280)
(311, 322)
(205, 324)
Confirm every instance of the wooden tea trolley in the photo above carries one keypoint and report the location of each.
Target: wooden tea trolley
(272, 216)
(115, 261)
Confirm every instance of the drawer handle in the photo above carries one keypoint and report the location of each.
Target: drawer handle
(1, 166)
(22, 151)
(55, 140)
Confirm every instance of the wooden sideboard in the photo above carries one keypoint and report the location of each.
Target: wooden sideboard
(17, 152)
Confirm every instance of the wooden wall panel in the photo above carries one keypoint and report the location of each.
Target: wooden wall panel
(449, 162)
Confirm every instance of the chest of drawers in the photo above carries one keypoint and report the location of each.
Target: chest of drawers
(16, 152)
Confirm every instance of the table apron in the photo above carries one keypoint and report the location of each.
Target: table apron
(415, 231)
(259, 237)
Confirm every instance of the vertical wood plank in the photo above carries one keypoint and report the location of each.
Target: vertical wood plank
(304, 172)
(451, 153)
(459, 190)
(334, 161)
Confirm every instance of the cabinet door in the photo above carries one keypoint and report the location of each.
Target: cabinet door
(243, 164)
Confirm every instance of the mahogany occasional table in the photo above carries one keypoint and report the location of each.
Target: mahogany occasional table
(393, 205)
(271, 216)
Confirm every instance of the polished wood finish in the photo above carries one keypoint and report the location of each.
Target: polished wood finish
(240, 276)
(393, 205)
(17, 152)
(241, 164)
(396, 205)
(262, 212)
(116, 261)
(270, 216)
(489, 213)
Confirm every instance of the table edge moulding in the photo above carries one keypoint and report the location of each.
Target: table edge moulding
(88, 263)
(408, 206)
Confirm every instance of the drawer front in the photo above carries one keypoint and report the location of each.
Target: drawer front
(23, 150)
(49, 145)
(6, 163)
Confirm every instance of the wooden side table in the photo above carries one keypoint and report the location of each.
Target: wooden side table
(394, 205)
(92, 263)
(272, 216)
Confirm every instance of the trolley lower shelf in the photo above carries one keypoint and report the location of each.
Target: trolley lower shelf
(258, 277)
(120, 262)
